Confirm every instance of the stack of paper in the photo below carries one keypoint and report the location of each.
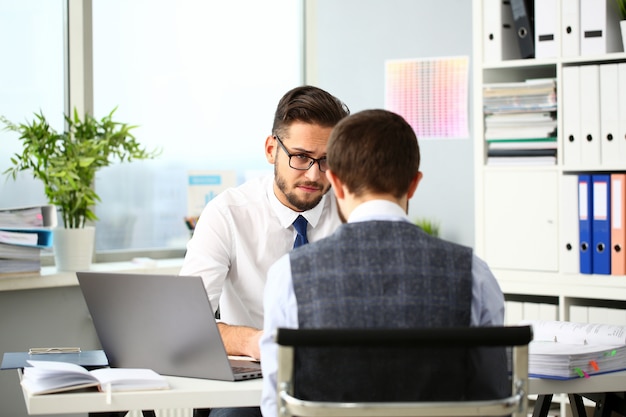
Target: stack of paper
(24, 233)
(564, 350)
(520, 122)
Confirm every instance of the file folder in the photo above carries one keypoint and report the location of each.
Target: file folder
(590, 115)
(621, 139)
(618, 224)
(40, 238)
(569, 258)
(571, 117)
(599, 27)
(601, 224)
(546, 29)
(609, 115)
(584, 223)
(523, 17)
(499, 39)
(570, 28)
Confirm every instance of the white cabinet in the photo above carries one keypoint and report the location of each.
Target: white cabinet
(520, 219)
(526, 216)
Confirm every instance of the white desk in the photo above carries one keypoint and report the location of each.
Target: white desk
(202, 393)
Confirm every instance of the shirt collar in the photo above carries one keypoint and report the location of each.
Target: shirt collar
(378, 210)
(286, 216)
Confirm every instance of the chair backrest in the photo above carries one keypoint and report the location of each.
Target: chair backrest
(403, 372)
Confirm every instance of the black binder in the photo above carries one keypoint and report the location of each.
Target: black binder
(523, 16)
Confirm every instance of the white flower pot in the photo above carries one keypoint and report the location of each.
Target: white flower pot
(73, 248)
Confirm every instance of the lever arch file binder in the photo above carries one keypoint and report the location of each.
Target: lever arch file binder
(523, 18)
(599, 27)
(570, 28)
(584, 223)
(601, 224)
(618, 224)
(609, 115)
(569, 258)
(571, 117)
(590, 115)
(499, 41)
(621, 147)
(546, 29)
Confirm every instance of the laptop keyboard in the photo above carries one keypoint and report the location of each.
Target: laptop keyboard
(244, 369)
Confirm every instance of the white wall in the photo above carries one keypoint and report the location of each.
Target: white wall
(348, 42)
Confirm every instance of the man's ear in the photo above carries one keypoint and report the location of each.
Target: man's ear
(270, 149)
(336, 183)
(414, 183)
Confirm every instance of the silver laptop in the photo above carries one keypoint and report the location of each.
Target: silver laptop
(161, 322)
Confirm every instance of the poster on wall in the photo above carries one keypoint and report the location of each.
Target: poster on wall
(431, 94)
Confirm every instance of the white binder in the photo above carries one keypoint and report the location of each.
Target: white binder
(609, 115)
(590, 115)
(599, 27)
(546, 28)
(499, 37)
(570, 28)
(569, 262)
(571, 116)
(621, 135)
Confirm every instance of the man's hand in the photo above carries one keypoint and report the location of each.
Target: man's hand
(241, 340)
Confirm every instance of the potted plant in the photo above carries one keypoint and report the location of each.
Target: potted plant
(429, 226)
(67, 164)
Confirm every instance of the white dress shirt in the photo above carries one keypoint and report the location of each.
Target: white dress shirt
(281, 309)
(239, 235)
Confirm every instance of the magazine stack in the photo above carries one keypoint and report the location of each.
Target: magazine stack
(520, 122)
(24, 233)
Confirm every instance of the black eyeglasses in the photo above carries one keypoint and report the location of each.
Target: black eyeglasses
(303, 162)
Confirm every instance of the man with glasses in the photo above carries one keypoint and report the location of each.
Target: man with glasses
(244, 230)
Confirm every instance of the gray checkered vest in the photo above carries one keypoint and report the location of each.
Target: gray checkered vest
(381, 274)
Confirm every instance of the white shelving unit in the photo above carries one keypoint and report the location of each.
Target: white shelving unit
(519, 208)
(520, 211)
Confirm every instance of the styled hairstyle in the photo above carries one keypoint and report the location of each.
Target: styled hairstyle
(308, 104)
(374, 151)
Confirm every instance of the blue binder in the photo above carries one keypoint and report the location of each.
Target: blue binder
(601, 224)
(584, 223)
(43, 236)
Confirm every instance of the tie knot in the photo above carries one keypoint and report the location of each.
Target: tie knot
(300, 224)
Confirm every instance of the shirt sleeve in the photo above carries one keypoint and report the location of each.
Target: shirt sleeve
(209, 251)
(280, 310)
(487, 297)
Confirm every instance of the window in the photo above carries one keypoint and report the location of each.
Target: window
(199, 78)
(31, 80)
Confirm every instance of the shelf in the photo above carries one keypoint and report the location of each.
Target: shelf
(51, 278)
(601, 287)
(552, 62)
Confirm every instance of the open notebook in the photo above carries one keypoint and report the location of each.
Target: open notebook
(160, 322)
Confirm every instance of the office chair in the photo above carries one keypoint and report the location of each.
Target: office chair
(407, 371)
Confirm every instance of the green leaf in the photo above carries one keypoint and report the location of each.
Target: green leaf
(67, 162)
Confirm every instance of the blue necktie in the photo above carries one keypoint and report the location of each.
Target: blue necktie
(300, 225)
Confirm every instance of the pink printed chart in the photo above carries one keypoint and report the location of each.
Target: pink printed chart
(431, 94)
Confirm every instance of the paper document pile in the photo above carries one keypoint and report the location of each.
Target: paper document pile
(565, 350)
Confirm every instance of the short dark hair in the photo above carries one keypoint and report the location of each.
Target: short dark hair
(308, 104)
(374, 151)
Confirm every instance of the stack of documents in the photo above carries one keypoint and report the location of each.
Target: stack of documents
(566, 350)
(520, 122)
(24, 233)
